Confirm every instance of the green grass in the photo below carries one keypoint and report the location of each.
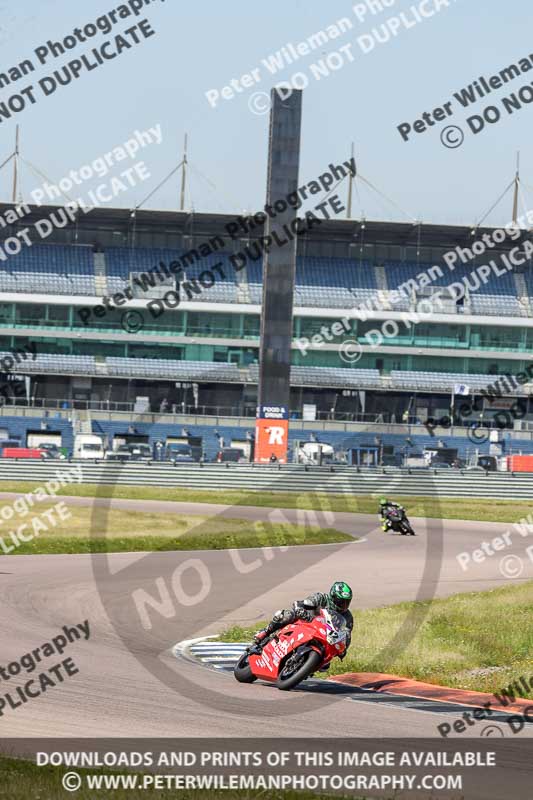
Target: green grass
(481, 641)
(22, 780)
(470, 508)
(276, 537)
(98, 530)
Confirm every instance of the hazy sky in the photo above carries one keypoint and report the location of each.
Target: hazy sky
(202, 45)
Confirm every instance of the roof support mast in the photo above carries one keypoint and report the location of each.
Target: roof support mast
(516, 189)
(15, 166)
(183, 175)
(351, 179)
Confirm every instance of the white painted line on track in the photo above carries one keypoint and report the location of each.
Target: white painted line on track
(220, 659)
(223, 656)
(295, 546)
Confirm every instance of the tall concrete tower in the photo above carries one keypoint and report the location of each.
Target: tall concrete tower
(279, 272)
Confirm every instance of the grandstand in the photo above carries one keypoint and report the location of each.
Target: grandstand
(202, 357)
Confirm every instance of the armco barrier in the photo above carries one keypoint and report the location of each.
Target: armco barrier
(289, 478)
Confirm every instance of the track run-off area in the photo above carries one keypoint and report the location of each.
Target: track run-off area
(117, 691)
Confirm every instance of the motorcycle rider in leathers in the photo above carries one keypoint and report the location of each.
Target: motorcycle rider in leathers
(384, 507)
(338, 599)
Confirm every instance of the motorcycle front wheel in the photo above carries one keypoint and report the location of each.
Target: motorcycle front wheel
(242, 671)
(297, 668)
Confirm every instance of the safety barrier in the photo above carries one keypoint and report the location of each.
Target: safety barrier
(284, 478)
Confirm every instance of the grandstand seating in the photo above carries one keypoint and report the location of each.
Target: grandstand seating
(121, 262)
(48, 363)
(496, 285)
(331, 376)
(323, 282)
(496, 297)
(50, 269)
(327, 376)
(174, 370)
(442, 381)
(528, 280)
(222, 372)
(255, 282)
(56, 363)
(496, 305)
(320, 281)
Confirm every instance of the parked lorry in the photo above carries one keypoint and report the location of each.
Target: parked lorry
(314, 453)
(22, 452)
(88, 445)
(520, 463)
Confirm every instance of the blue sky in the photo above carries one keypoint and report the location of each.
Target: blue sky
(203, 45)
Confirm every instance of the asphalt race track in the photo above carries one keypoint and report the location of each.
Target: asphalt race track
(119, 692)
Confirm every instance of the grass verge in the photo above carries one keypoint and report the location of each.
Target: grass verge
(98, 530)
(481, 641)
(22, 780)
(470, 508)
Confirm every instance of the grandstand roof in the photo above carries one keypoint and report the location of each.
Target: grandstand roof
(207, 224)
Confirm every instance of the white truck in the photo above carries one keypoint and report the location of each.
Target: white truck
(88, 445)
(315, 453)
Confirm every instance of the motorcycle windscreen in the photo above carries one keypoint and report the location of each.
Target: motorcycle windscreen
(337, 629)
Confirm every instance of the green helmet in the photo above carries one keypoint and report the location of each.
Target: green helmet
(340, 596)
(383, 501)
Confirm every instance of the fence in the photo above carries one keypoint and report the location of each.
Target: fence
(287, 478)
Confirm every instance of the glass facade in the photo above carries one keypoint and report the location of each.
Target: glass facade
(243, 328)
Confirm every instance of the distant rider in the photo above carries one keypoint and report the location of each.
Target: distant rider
(337, 599)
(384, 507)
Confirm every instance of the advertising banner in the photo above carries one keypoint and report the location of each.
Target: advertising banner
(271, 435)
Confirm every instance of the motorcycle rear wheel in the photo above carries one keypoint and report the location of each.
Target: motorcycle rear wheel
(289, 677)
(243, 672)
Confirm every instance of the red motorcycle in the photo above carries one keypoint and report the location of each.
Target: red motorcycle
(296, 651)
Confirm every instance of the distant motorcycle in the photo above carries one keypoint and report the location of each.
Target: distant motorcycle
(396, 520)
(296, 651)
